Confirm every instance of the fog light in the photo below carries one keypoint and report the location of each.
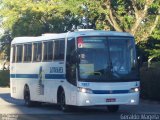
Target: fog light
(132, 101)
(87, 101)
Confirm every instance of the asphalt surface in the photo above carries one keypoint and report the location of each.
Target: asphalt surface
(12, 109)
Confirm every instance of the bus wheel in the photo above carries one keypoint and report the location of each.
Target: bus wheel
(27, 100)
(113, 108)
(62, 101)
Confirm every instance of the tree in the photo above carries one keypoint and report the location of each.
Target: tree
(5, 41)
(39, 16)
(151, 47)
(139, 17)
(35, 17)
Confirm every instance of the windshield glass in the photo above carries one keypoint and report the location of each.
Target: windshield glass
(106, 59)
(93, 55)
(123, 58)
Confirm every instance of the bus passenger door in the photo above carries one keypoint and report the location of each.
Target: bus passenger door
(71, 82)
(71, 67)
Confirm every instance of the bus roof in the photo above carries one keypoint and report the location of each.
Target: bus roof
(51, 36)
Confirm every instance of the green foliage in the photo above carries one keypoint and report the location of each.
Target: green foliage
(150, 49)
(127, 22)
(4, 78)
(156, 32)
(154, 8)
(35, 17)
(5, 44)
(140, 4)
(150, 82)
(120, 7)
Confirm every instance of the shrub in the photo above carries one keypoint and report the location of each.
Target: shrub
(150, 82)
(4, 78)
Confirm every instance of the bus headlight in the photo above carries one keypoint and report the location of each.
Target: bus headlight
(85, 90)
(132, 90)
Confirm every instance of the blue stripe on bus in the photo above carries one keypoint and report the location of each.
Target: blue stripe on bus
(12, 75)
(47, 76)
(110, 91)
(54, 76)
(23, 75)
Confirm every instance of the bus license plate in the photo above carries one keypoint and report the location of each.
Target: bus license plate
(111, 100)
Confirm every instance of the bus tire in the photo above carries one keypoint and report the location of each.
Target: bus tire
(62, 102)
(27, 99)
(113, 108)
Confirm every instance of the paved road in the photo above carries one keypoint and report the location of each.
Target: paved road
(11, 108)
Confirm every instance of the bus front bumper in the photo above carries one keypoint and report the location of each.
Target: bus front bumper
(86, 99)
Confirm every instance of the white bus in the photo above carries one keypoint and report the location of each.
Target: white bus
(81, 68)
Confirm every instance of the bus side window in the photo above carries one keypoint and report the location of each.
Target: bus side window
(70, 63)
(48, 51)
(37, 52)
(19, 53)
(45, 51)
(59, 50)
(27, 52)
(56, 50)
(13, 54)
(34, 51)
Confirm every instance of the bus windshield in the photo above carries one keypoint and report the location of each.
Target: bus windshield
(107, 59)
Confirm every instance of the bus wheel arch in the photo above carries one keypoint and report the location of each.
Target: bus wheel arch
(61, 99)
